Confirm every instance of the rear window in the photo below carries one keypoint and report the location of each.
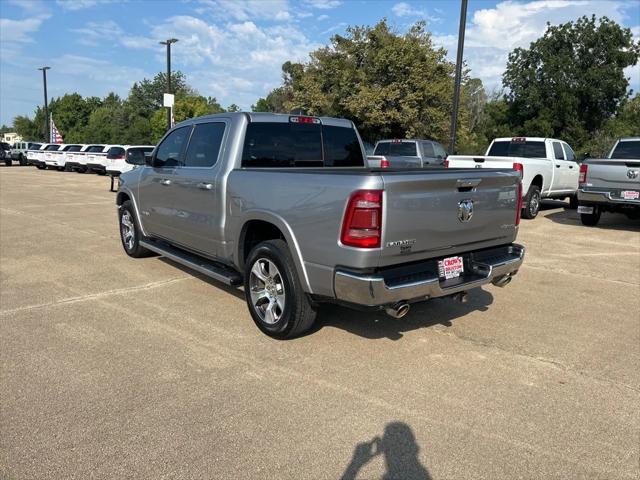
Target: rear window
(527, 149)
(300, 145)
(95, 149)
(397, 149)
(74, 148)
(115, 152)
(52, 147)
(34, 146)
(628, 150)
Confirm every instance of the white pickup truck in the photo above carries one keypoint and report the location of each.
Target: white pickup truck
(548, 167)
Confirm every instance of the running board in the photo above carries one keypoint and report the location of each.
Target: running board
(209, 268)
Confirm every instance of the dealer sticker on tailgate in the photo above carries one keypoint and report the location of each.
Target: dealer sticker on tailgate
(451, 267)
(630, 195)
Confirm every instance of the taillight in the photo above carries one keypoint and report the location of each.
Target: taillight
(384, 163)
(518, 167)
(362, 224)
(583, 173)
(446, 164)
(519, 202)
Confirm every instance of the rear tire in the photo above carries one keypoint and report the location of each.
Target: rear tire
(23, 161)
(41, 167)
(130, 233)
(573, 202)
(277, 303)
(591, 219)
(532, 201)
(7, 162)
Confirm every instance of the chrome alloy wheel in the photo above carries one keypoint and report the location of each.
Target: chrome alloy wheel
(535, 203)
(128, 230)
(266, 288)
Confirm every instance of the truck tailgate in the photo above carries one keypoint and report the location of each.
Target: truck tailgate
(613, 174)
(427, 215)
(479, 161)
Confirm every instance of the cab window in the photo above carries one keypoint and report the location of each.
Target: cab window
(169, 152)
(557, 151)
(204, 145)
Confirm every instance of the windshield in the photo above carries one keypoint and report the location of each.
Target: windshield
(627, 150)
(526, 149)
(396, 149)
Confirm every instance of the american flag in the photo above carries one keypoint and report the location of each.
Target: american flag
(56, 136)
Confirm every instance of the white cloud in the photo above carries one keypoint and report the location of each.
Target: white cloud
(334, 28)
(74, 5)
(237, 62)
(403, 9)
(323, 17)
(322, 4)
(494, 32)
(241, 10)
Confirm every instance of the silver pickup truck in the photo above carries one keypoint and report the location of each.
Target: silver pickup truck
(611, 184)
(407, 153)
(285, 206)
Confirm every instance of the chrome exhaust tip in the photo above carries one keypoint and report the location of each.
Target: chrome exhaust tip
(398, 310)
(503, 281)
(461, 297)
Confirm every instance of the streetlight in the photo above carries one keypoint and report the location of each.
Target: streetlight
(456, 88)
(47, 137)
(168, 43)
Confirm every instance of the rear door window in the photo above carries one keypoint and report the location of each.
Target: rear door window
(569, 153)
(204, 146)
(557, 151)
(439, 150)
(427, 150)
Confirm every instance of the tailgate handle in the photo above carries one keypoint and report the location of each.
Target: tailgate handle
(478, 160)
(466, 185)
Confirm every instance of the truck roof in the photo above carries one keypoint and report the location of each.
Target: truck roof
(629, 139)
(532, 139)
(406, 140)
(268, 117)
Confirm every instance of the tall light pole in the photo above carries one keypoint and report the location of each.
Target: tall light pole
(47, 136)
(456, 88)
(168, 43)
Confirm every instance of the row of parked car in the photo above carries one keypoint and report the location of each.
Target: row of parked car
(83, 158)
(548, 166)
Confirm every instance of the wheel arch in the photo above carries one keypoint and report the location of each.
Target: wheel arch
(259, 226)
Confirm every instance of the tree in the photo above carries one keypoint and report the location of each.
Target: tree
(389, 84)
(26, 128)
(233, 108)
(570, 81)
(146, 97)
(183, 109)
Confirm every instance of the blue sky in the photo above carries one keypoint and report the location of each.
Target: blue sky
(233, 49)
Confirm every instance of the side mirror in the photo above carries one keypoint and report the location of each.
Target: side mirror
(148, 159)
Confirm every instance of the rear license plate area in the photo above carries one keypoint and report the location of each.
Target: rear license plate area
(451, 267)
(585, 209)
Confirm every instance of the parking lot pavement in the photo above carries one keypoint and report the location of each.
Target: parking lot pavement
(113, 367)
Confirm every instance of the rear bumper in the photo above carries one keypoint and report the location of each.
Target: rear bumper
(37, 163)
(72, 165)
(591, 197)
(421, 281)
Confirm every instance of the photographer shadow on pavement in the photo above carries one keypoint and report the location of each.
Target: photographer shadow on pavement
(378, 325)
(400, 451)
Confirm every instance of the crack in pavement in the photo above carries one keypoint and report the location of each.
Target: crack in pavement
(93, 296)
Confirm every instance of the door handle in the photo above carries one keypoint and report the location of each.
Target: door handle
(570, 166)
(205, 186)
(557, 166)
(165, 181)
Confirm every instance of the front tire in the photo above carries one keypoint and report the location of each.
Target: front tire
(532, 200)
(591, 219)
(130, 234)
(277, 303)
